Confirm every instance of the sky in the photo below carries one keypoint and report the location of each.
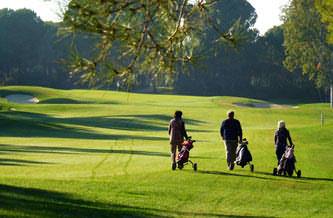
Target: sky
(268, 10)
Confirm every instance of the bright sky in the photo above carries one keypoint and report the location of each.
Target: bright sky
(47, 10)
(268, 10)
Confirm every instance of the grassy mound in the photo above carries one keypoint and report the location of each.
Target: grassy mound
(82, 153)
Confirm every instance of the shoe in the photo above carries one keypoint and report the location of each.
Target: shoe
(231, 166)
(174, 165)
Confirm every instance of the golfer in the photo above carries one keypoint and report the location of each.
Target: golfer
(280, 140)
(231, 133)
(177, 133)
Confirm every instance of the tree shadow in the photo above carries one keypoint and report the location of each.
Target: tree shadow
(32, 202)
(233, 174)
(163, 118)
(17, 162)
(5, 148)
(73, 101)
(295, 177)
(315, 179)
(23, 124)
(129, 124)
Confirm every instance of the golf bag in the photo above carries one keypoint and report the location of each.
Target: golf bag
(243, 155)
(184, 154)
(287, 164)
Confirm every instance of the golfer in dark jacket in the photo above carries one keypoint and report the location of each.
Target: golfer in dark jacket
(231, 133)
(280, 139)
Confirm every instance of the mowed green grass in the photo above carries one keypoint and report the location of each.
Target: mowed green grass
(82, 153)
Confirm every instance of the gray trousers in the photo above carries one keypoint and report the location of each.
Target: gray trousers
(230, 148)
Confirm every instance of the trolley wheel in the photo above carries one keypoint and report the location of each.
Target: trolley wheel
(252, 167)
(180, 165)
(290, 172)
(299, 173)
(195, 166)
(274, 172)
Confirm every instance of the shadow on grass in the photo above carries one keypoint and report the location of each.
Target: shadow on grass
(233, 174)
(31, 202)
(73, 101)
(295, 177)
(16, 162)
(315, 179)
(22, 124)
(4, 148)
(163, 118)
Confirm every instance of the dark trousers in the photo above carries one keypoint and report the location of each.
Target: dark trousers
(279, 152)
(230, 147)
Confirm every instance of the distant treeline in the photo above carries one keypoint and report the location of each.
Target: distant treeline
(33, 53)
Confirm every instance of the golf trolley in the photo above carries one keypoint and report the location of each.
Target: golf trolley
(287, 164)
(243, 155)
(184, 155)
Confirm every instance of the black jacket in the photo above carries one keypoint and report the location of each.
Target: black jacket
(231, 129)
(280, 138)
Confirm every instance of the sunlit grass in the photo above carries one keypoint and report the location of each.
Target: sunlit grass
(82, 153)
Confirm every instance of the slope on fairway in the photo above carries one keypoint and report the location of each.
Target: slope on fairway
(80, 153)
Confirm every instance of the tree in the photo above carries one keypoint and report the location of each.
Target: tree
(220, 69)
(18, 51)
(135, 36)
(31, 50)
(305, 42)
(269, 78)
(325, 9)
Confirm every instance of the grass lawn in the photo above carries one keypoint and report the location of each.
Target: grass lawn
(82, 153)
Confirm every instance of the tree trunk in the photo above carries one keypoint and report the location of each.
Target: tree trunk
(331, 95)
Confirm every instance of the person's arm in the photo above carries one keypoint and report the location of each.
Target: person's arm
(169, 130)
(240, 132)
(184, 130)
(275, 137)
(222, 129)
(289, 138)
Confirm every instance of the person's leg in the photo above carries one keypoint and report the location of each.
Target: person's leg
(230, 147)
(233, 148)
(279, 152)
(173, 155)
(227, 155)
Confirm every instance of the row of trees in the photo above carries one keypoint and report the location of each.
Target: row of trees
(308, 40)
(179, 28)
(205, 48)
(29, 53)
(33, 53)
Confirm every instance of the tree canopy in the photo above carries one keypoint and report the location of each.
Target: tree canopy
(31, 52)
(136, 36)
(325, 9)
(305, 42)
